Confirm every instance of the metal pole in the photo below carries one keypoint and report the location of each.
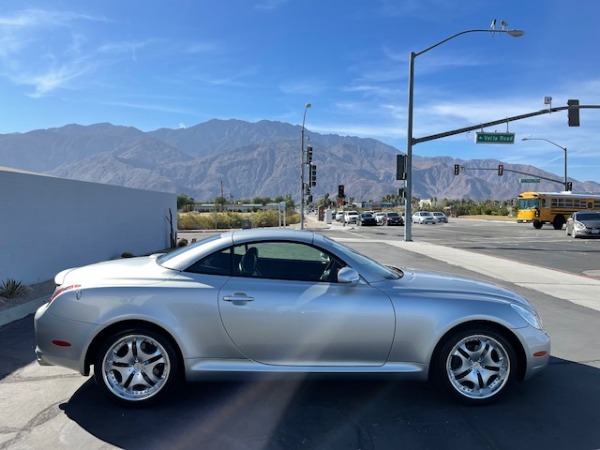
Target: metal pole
(409, 145)
(566, 180)
(302, 162)
(410, 141)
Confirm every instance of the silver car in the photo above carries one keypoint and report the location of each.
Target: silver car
(283, 301)
(584, 224)
(424, 217)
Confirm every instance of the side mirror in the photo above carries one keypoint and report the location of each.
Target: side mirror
(348, 275)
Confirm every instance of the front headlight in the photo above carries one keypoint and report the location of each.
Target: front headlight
(531, 317)
(579, 225)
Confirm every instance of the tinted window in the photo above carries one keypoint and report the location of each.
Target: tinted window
(284, 261)
(218, 263)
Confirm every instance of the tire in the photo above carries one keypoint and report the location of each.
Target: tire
(558, 222)
(475, 366)
(136, 367)
(537, 224)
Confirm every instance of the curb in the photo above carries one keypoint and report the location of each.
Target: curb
(20, 311)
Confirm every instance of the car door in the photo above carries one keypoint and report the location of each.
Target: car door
(283, 317)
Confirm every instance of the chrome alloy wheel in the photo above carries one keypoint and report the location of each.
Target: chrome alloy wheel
(478, 366)
(135, 367)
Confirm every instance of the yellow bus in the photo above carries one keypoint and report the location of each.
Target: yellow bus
(553, 207)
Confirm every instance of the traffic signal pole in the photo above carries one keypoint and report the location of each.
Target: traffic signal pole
(501, 121)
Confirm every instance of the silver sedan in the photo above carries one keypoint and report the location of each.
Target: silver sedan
(284, 301)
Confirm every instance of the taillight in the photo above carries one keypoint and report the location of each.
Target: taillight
(62, 289)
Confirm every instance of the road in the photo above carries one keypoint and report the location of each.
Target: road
(45, 407)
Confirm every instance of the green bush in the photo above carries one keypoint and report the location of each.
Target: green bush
(231, 220)
(10, 288)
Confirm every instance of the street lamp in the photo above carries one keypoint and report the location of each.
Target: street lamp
(559, 146)
(409, 129)
(308, 105)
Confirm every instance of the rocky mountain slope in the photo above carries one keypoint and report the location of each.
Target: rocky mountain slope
(252, 159)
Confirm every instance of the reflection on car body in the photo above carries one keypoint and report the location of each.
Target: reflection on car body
(282, 301)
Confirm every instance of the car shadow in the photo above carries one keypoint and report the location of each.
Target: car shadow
(556, 409)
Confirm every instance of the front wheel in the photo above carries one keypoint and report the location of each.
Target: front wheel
(136, 367)
(537, 224)
(475, 366)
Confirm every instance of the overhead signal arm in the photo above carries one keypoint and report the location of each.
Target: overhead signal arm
(500, 122)
(504, 169)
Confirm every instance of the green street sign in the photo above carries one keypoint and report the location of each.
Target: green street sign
(494, 138)
(530, 180)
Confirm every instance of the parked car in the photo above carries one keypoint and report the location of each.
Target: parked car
(283, 301)
(423, 217)
(339, 216)
(351, 216)
(393, 218)
(440, 217)
(380, 218)
(367, 219)
(584, 224)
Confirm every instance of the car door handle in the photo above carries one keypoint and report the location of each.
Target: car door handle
(238, 298)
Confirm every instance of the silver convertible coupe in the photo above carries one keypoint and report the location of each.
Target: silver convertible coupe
(283, 301)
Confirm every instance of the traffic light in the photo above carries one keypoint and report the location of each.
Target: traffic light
(569, 186)
(341, 191)
(573, 113)
(309, 199)
(401, 192)
(500, 169)
(309, 154)
(400, 167)
(312, 177)
(456, 169)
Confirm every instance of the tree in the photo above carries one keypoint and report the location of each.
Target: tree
(184, 201)
(222, 201)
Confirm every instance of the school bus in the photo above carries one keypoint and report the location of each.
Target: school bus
(553, 207)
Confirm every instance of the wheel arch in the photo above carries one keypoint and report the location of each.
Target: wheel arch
(504, 331)
(121, 326)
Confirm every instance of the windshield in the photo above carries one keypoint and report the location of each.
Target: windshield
(529, 203)
(588, 216)
(364, 262)
(164, 258)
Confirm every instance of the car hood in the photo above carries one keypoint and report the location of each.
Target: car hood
(439, 285)
(129, 271)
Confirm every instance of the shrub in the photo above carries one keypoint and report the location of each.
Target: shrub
(10, 288)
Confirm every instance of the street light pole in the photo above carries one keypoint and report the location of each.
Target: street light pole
(410, 141)
(302, 163)
(559, 146)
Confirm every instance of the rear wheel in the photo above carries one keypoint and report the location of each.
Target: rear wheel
(136, 367)
(475, 366)
(558, 222)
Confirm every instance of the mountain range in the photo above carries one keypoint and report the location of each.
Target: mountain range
(245, 160)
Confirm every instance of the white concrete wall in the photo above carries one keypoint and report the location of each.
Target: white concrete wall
(48, 224)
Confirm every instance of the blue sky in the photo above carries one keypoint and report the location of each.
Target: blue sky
(152, 64)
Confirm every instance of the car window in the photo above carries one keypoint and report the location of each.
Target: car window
(218, 263)
(285, 261)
